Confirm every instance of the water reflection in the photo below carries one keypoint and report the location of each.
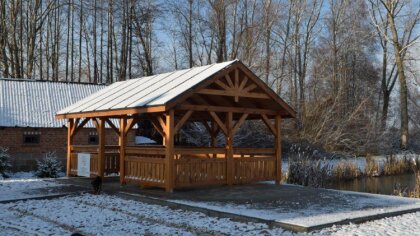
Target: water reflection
(380, 185)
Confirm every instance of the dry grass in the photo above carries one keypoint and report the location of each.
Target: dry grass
(395, 166)
(372, 168)
(346, 170)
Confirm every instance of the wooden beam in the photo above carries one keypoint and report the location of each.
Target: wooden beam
(239, 123)
(70, 124)
(117, 112)
(130, 124)
(182, 121)
(169, 152)
(157, 126)
(226, 109)
(96, 123)
(101, 149)
(82, 124)
(229, 80)
(161, 122)
(122, 141)
(269, 124)
(219, 122)
(243, 83)
(289, 110)
(222, 85)
(249, 88)
(76, 123)
(233, 93)
(229, 149)
(278, 149)
(112, 126)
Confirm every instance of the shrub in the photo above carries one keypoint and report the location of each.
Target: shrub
(49, 166)
(372, 168)
(4, 161)
(308, 172)
(346, 170)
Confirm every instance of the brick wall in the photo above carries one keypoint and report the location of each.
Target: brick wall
(24, 156)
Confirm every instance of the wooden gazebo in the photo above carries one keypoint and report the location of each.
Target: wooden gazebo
(220, 96)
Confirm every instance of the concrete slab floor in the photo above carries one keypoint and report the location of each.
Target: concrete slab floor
(289, 206)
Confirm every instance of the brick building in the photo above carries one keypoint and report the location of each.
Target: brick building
(28, 127)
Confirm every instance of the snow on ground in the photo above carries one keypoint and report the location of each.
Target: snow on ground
(110, 215)
(23, 188)
(408, 224)
(357, 205)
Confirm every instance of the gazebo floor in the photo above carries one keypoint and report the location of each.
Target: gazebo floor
(292, 207)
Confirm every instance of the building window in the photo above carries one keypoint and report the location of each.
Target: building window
(31, 137)
(93, 138)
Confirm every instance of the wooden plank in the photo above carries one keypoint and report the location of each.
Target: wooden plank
(239, 123)
(269, 124)
(169, 151)
(201, 150)
(182, 121)
(101, 148)
(116, 112)
(278, 149)
(225, 109)
(70, 124)
(218, 121)
(122, 142)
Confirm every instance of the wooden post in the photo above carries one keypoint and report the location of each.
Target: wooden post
(122, 141)
(278, 148)
(229, 149)
(101, 149)
(169, 151)
(70, 124)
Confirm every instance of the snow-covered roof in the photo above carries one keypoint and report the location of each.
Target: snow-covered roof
(32, 103)
(146, 91)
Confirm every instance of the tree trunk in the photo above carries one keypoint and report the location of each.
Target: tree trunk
(403, 83)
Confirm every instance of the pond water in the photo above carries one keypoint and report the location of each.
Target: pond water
(380, 185)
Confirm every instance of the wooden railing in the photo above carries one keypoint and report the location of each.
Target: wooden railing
(253, 164)
(145, 165)
(112, 163)
(199, 166)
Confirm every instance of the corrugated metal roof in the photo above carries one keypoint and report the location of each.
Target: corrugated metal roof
(145, 91)
(31, 103)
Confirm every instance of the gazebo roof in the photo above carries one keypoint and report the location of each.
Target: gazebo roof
(160, 92)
